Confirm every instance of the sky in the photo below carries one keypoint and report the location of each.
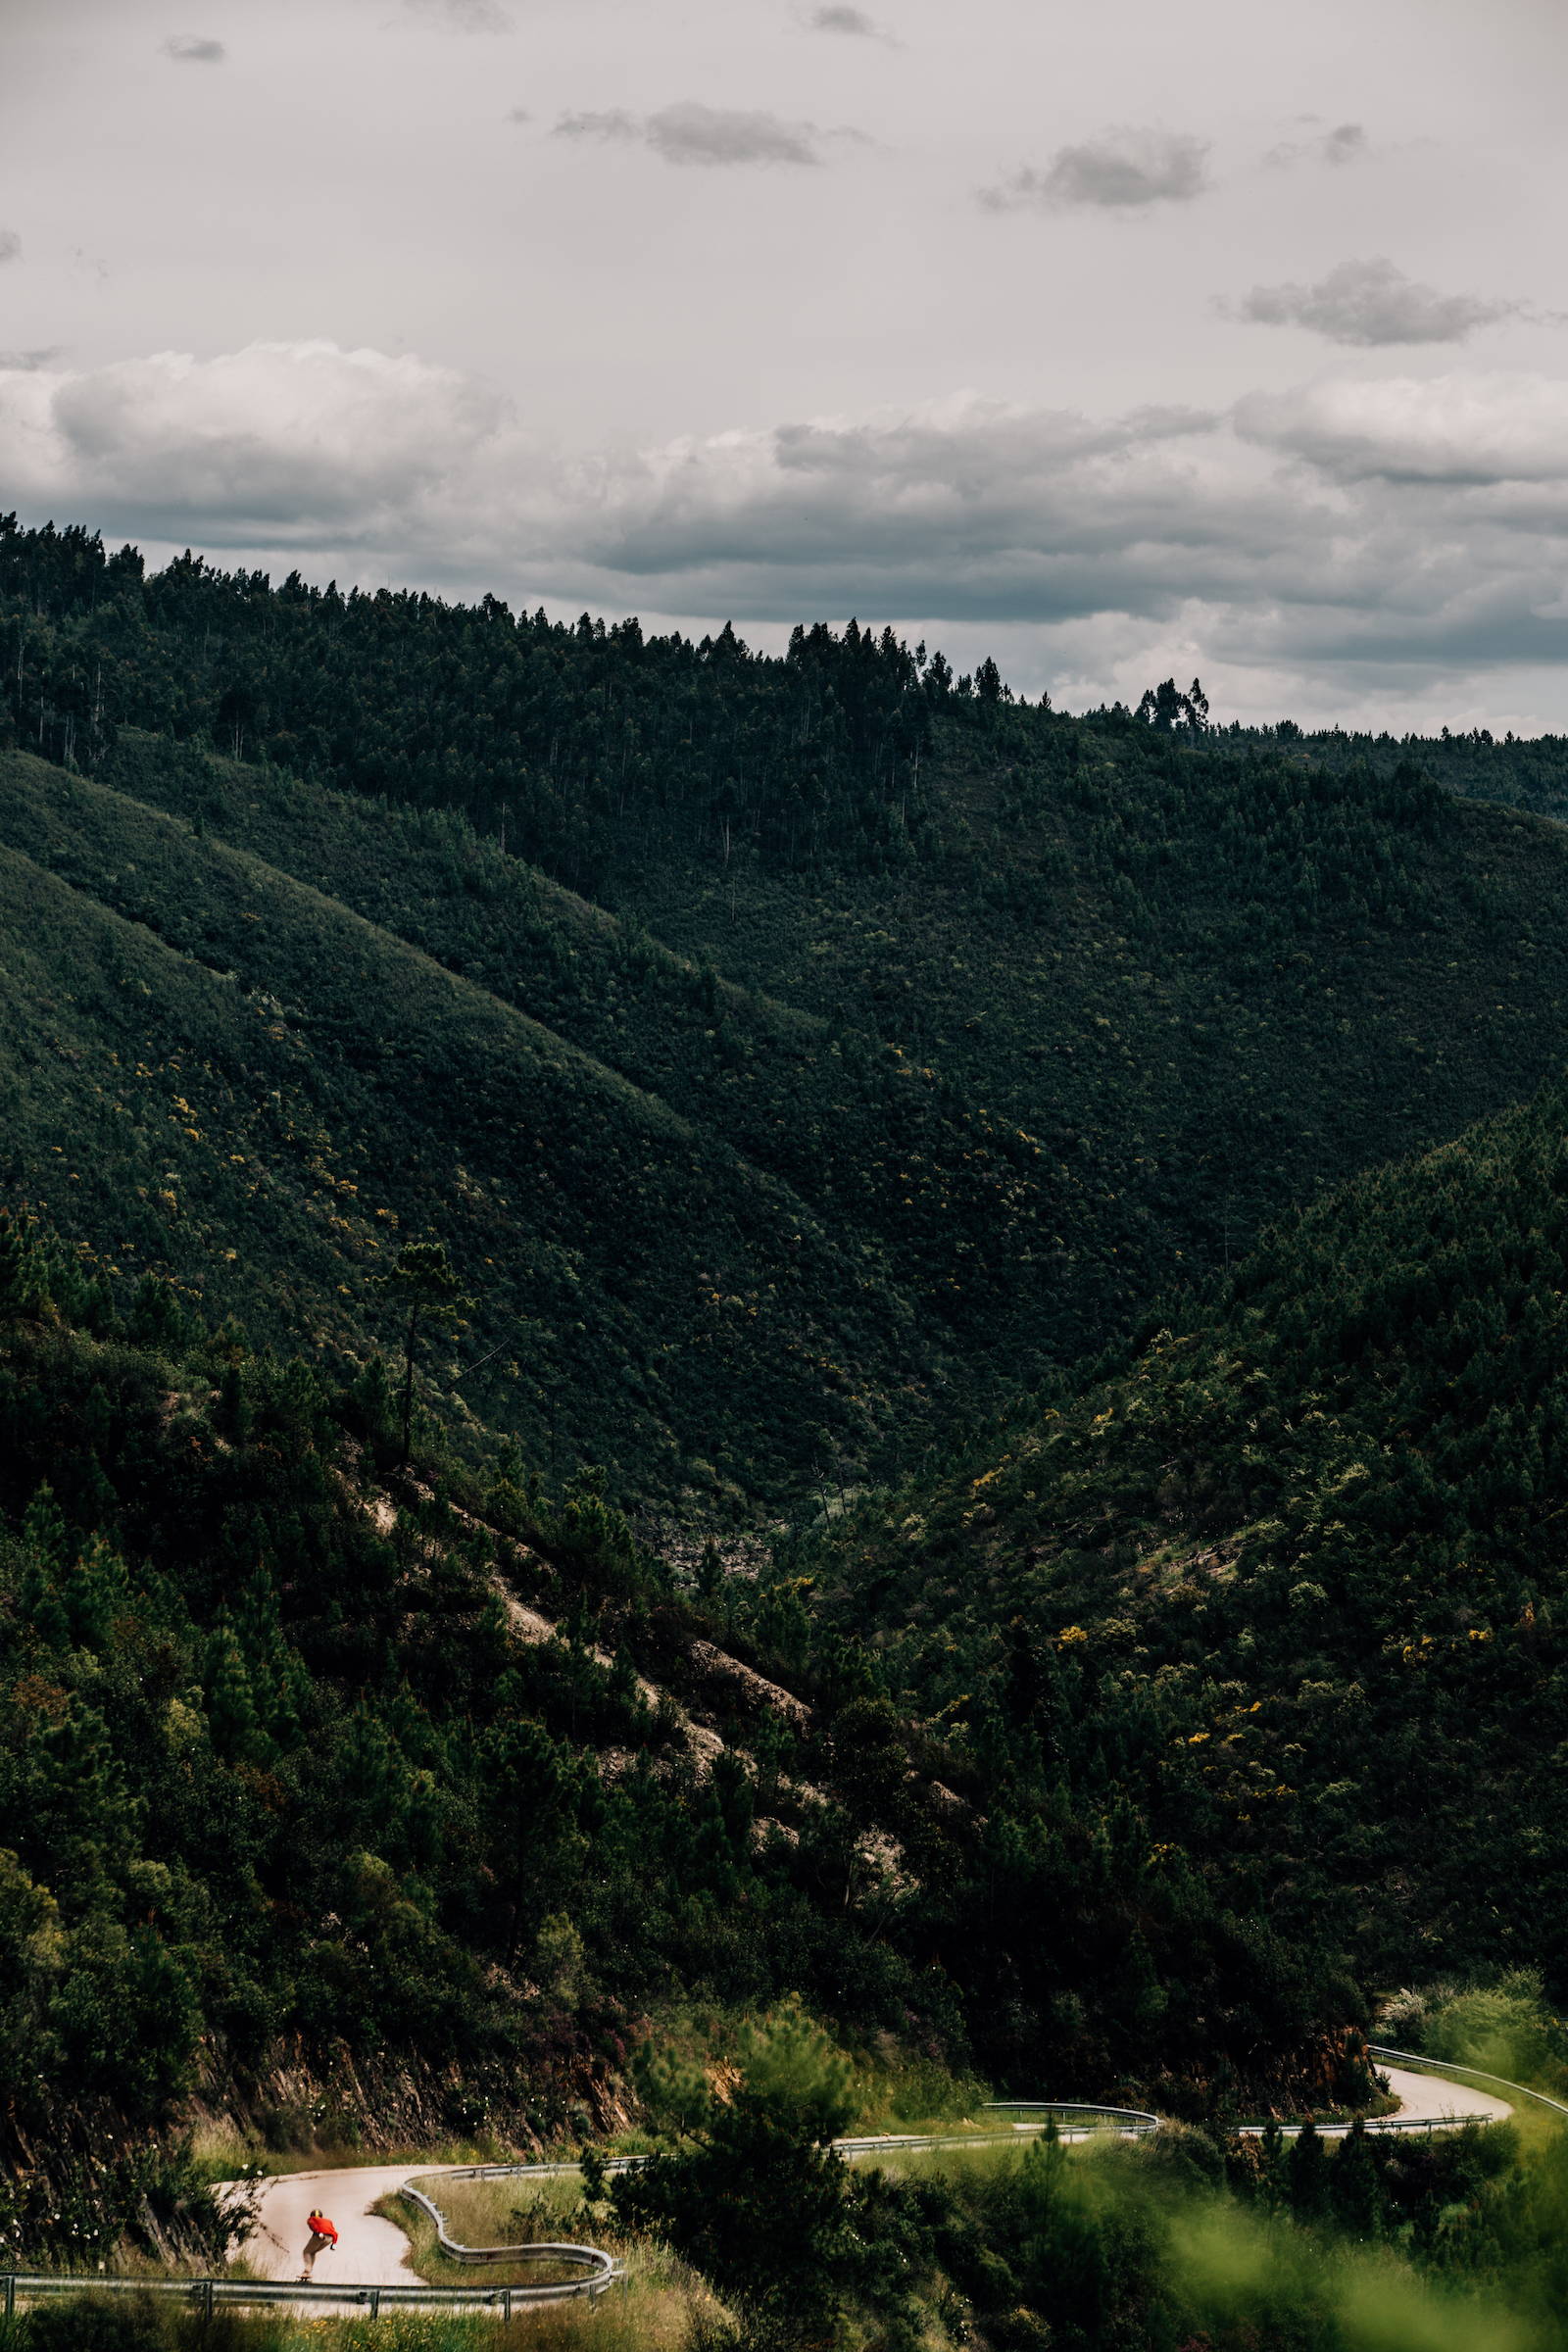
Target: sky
(1120, 341)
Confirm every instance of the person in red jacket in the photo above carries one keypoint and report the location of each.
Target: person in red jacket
(322, 2233)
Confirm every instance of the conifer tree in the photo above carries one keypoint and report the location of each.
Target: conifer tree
(423, 1281)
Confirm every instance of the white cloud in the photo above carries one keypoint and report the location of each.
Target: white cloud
(1463, 430)
(1372, 302)
(1352, 531)
(690, 133)
(194, 49)
(1121, 171)
(291, 438)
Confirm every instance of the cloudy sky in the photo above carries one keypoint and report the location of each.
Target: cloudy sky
(1114, 339)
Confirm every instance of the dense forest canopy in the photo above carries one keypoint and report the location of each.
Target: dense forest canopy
(1292, 1580)
(930, 1036)
(584, 745)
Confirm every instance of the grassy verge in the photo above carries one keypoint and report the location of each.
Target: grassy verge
(72, 2327)
(218, 2156)
(661, 2306)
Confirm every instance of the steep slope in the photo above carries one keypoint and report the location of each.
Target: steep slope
(1206, 982)
(313, 1775)
(937, 1198)
(1015, 1020)
(211, 1068)
(1133, 999)
(1154, 982)
(1292, 1587)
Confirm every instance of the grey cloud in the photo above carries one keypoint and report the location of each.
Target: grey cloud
(518, 113)
(1121, 171)
(614, 124)
(840, 19)
(1346, 143)
(692, 133)
(1369, 303)
(463, 16)
(1414, 522)
(972, 510)
(10, 245)
(28, 363)
(194, 49)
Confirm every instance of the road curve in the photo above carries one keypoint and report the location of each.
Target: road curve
(1433, 2101)
(374, 2252)
(369, 2251)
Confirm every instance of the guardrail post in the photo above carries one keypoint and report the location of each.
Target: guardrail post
(207, 2298)
(505, 2305)
(375, 2302)
(11, 2295)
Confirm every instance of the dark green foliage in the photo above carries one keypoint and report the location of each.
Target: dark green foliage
(1283, 1602)
(143, 2323)
(274, 1766)
(935, 1034)
(275, 1774)
(762, 2205)
(586, 748)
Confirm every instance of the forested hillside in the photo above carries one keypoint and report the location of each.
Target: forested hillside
(369, 1799)
(214, 1070)
(875, 1524)
(1292, 1585)
(1519, 771)
(922, 1039)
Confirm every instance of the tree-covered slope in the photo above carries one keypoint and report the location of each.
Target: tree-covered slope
(360, 1799)
(1291, 1588)
(1004, 1099)
(1206, 983)
(213, 1069)
(1029, 1016)
(935, 1198)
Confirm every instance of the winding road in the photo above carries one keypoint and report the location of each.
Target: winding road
(372, 2251)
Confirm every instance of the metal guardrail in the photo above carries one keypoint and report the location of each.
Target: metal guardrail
(601, 2266)
(1131, 2122)
(212, 2295)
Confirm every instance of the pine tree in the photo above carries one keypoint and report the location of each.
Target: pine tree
(46, 1549)
(236, 1731)
(423, 1281)
(1355, 2186)
(1306, 2174)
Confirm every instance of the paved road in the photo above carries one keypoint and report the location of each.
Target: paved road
(1430, 2099)
(373, 2252)
(369, 2251)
